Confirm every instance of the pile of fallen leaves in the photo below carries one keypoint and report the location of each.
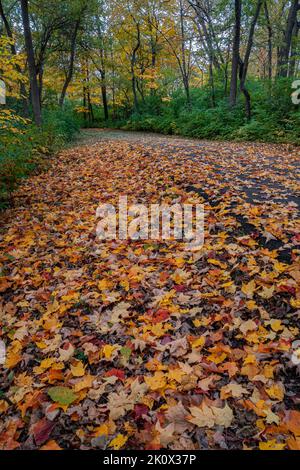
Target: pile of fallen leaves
(142, 344)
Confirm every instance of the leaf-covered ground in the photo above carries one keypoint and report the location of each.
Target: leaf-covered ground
(141, 344)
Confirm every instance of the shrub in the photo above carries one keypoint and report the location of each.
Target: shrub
(23, 146)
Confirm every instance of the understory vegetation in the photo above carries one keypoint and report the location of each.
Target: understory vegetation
(25, 148)
(275, 118)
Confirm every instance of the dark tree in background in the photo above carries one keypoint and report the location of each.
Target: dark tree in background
(34, 88)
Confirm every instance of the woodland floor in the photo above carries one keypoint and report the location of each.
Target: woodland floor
(142, 344)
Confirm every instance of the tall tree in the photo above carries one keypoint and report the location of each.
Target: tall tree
(34, 88)
(294, 49)
(270, 40)
(70, 71)
(244, 64)
(235, 52)
(285, 50)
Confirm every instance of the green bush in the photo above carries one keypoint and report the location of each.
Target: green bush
(25, 147)
(274, 117)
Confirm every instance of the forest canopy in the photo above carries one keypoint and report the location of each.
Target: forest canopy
(113, 60)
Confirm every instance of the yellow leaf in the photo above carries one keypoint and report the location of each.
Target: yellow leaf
(200, 342)
(47, 363)
(295, 303)
(179, 262)
(108, 350)
(250, 359)
(267, 292)
(217, 357)
(176, 374)
(58, 366)
(41, 344)
(276, 325)
(125, 284)
(84, 383)
(71, 296)
(104, 284)
(157, 381)
(248, 289)
(276, 392)
(159, 329)
(216, 262)
(12, 359)
(251, 305)
(102, 430)
(269, 371)
(78, 370)
(118, 442)
(271, 445)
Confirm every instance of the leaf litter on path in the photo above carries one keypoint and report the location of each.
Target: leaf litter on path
(140, 344)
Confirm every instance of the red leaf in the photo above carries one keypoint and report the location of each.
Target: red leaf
(117, 373)
(140, 410)
(42, 430)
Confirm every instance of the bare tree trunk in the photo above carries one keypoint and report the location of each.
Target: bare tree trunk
(235, 53)
(35, 95)
(103, 85)
(186, 81)
(88, 93)
(212, 83)
(104, 97)
(113, 85)
(284, 52)
(153, 49)
(132, 65)
(270, 41)
(294, 49)
(84, 103)
(245, 63)
(70, 72)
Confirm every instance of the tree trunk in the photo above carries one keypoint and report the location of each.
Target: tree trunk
(133, 63)
(84, 103)
(212, 83)
(294, 50)
(245, 64)
(70, 72)
(235, 53)
(270, 41)
(88, 94)
(284, 52)
(104, 98)
(103, 86)
(185, 71)
(113, 87)
(35, 95)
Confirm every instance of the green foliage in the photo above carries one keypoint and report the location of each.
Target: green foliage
(24, 148)
(60, 126)
(274, 117)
